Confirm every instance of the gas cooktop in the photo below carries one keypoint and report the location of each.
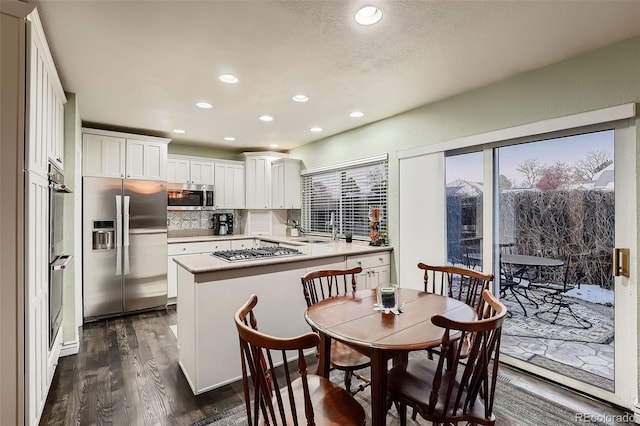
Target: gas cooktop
(256, 253)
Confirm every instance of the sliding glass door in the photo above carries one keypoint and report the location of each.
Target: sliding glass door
(545, 215)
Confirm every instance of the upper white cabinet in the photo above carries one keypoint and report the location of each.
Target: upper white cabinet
(123, 155)
(285, 184)
(46, 101)
(178, 170)
(190, 170)
(230, 185)
(258, 179)
(103, 156)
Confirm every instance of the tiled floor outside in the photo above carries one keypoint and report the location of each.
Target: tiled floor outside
(586, 354)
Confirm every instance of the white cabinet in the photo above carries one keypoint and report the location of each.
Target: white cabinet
(146, 160)
(103, 156)
(37, 296)
(46, 101)
(230, 185)
(123, 155)
(183, 249)
(376, 268)
(178, 170)
(285, 184)
(249, 243)
(203, 172)
(182, 169)
(258, 181)
(32, 126)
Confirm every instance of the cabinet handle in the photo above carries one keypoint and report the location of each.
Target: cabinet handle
(380, 259)
(184, 248)
(359, 263)
(58, 160)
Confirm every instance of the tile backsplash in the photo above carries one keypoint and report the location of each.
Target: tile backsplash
(182, 220)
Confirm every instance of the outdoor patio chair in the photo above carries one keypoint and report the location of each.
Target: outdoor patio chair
(273, 394)
(555, 294)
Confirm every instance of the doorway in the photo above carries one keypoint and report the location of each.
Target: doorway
(555, 214)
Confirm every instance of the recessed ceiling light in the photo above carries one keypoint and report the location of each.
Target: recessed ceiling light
(316, 129)
(300, 98)
(228, 78)
(266, 118)
(229, 138)
(179, 131)
(368, 15)
(356, 114)
(204, 105)
(274, 145)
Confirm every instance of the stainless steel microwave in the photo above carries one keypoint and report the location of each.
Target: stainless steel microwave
(190, 197)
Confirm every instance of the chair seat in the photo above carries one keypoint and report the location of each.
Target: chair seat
(412, 381)
(332, 405)
(344, 357)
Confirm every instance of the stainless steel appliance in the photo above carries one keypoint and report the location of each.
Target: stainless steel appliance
(222, 223)
(58, 260)
(124, 246)
(190, 197)
(255, 253)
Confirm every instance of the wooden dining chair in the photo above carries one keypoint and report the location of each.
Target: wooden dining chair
(460, 283)
(465, 391)
(322, 284)
(272, 393)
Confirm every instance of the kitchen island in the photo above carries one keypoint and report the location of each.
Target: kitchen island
(211, 290)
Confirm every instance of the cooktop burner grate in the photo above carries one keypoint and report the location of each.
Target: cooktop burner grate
(256, 253)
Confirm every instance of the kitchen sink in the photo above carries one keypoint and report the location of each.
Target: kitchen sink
(313, 241)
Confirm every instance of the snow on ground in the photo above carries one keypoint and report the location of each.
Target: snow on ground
(592, 293)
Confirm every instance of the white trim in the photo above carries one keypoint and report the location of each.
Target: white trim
(346, 164)
(70, 348)
(582, 119)
(125, 135)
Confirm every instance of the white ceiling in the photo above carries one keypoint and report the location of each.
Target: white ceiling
(142, 65)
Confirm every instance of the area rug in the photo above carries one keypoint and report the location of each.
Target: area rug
(514, 406)
(602, 330)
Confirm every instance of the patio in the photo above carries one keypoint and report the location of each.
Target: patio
(585, 354)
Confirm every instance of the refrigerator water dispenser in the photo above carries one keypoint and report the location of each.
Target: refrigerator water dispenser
(103, 235)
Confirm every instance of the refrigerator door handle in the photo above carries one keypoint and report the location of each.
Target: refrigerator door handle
(125, 233)
(117, 232)
(125, 214)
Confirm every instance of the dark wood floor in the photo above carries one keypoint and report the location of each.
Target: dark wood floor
(126, 373)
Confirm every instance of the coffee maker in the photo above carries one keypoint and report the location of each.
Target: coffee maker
(222, 223)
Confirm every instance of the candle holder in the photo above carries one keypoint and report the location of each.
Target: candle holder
(388, 299)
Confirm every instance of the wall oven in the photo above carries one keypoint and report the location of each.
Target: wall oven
(190, 197)
(58, 260)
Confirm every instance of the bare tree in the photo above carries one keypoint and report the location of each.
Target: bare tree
(532, 171)
(594, 162)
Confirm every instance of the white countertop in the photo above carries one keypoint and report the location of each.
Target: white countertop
(201, 263)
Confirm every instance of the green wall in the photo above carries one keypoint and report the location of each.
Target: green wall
(605, 77)
(203, 151)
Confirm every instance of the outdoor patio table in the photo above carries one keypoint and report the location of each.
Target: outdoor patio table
(524, 263)
(351, 319)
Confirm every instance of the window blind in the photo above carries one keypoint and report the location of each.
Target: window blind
(351, 191)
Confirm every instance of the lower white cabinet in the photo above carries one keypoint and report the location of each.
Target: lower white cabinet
(184, 249)
(376, 269)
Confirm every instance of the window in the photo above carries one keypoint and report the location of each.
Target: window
(351, 192)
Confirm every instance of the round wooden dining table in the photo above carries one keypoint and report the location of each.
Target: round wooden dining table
(351, 319)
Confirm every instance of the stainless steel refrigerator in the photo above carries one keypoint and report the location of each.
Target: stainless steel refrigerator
(124, 246)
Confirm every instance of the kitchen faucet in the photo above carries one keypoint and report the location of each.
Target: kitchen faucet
(334, 228)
